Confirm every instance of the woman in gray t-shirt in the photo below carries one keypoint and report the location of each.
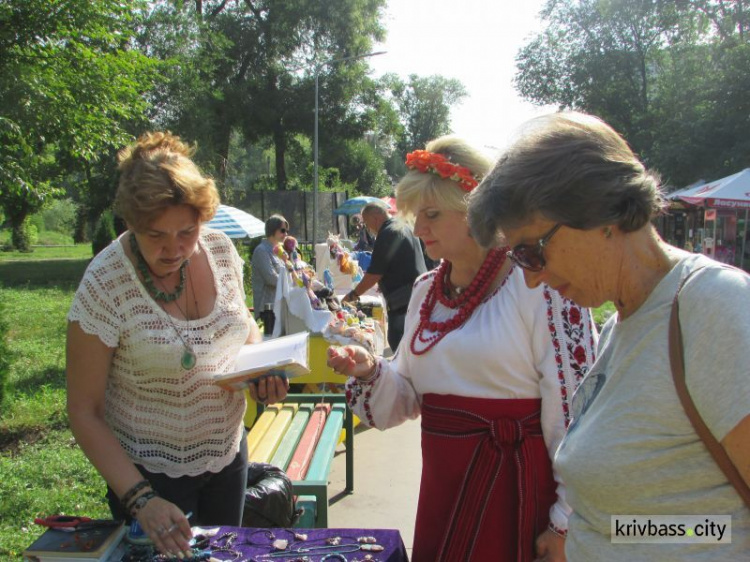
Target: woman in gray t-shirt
(576, 205)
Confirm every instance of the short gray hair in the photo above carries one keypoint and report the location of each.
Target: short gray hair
(570, 168)
(375, 208)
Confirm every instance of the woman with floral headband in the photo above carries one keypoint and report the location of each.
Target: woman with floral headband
(490, 365)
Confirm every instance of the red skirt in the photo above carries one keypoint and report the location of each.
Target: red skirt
(487, 483)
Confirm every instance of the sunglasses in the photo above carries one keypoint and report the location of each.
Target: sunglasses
(283, 230)
(531, 256)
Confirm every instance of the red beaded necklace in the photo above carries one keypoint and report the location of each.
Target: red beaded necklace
(466, 302)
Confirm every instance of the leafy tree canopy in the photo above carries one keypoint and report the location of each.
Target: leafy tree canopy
(665, 74)
(70, 84)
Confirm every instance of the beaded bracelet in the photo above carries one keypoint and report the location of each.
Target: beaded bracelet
(125, 500)
(140, 502)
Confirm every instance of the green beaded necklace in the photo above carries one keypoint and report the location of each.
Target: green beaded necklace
(148, 281)
(189, 358)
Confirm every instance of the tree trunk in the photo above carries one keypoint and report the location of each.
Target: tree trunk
(222, 153)
(19, 237)
(279, 141)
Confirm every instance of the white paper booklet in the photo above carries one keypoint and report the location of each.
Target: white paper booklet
(286, 356)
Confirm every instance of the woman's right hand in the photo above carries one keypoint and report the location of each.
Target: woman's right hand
(352, 360)
(166, 526)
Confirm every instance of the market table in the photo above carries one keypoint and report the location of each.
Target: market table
(255, 545)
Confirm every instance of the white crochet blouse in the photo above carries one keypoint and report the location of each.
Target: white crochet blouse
(167, 419)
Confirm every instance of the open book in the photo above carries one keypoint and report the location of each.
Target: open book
(286, 356)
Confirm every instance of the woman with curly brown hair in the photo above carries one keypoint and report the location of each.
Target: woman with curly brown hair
(158, 314)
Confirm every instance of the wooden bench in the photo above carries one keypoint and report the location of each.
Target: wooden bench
(300, 436)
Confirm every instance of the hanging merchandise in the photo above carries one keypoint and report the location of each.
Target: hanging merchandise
(302, 274)
(343, 257)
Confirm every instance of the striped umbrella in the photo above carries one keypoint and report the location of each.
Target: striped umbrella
(237, 223)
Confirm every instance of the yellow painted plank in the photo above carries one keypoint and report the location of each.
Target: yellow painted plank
(261, 427)
(275, 433)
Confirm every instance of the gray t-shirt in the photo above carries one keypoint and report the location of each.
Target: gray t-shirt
(631, 449)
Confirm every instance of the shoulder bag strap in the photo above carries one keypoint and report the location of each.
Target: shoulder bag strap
(677, 361)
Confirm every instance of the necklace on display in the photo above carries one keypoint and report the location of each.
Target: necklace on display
(465, 302)
(148, 281)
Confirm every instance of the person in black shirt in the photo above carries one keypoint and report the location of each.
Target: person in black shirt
(397, 260)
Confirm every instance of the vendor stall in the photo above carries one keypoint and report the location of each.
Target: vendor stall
(308, 300)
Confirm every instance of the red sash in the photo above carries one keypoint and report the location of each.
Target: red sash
(487, 482)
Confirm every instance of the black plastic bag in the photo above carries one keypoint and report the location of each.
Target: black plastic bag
(269, 498)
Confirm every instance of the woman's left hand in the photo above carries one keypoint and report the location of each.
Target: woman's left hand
(550, 547)
(269, 390)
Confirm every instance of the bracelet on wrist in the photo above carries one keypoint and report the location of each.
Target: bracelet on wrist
(140, 502)
(559, 532)
(130, 494)
(374, 372)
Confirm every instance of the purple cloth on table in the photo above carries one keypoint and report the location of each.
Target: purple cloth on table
(253, 543)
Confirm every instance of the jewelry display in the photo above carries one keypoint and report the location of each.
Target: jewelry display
(333, 541)
(227, 546)
(367, 540)
(333, 549)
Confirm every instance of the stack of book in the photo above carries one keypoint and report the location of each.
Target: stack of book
(99, 543)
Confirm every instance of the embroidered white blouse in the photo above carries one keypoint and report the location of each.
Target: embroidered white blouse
(167, 419)
(519, 343)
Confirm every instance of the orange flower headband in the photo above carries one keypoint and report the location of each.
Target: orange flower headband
(431, 162)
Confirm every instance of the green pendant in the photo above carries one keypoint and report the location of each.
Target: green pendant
(188, 359)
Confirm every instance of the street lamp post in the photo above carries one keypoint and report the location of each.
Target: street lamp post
(318, 68)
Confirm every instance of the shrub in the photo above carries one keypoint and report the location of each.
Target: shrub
(24, 236)
(60, 216)
(104, 232)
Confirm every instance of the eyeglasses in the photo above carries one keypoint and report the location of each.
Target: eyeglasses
(531, 256)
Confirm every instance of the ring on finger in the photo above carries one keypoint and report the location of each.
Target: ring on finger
(161, 530)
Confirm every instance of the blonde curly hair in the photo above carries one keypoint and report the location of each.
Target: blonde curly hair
(157, 172)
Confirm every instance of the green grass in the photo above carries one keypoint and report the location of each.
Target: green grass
(44, 238)
(77, 251)
(43, 472)
(61, 273)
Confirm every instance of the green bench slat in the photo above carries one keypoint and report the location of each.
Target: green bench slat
(312, 492)
(320, 465)
(292, 436)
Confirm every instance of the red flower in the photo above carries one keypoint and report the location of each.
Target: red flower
(574, 315)
(431, 162)
(580, 355)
